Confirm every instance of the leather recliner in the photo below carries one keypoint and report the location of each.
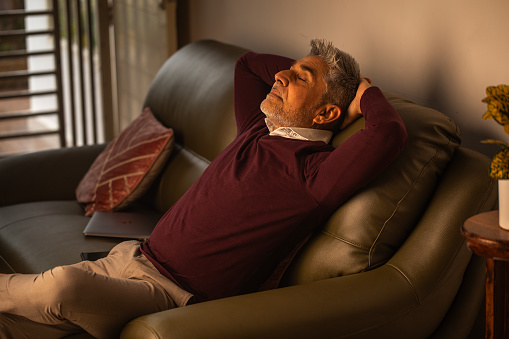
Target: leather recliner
(390, 262)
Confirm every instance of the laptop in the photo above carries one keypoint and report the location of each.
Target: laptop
(122, 225)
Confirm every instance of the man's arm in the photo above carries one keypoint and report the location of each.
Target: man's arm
(363, 156)
(354, 110)
(254, 77)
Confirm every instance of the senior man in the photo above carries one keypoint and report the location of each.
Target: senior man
(249, 212)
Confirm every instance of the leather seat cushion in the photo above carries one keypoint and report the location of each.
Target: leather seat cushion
(51, 230)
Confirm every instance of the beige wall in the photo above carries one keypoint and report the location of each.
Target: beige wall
(438, 53)
(144, 38)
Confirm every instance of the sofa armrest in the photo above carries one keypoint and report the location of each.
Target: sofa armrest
(347, 306)
(47, 175)
(374, 304)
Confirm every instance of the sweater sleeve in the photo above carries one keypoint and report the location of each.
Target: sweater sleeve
(363, 156)
(254, 77)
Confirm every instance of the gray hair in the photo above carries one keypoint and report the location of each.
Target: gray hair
(341, 81)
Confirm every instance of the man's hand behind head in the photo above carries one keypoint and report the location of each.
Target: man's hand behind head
(354, 110)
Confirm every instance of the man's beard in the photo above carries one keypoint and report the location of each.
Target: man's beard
(272, 111)
(280, 118)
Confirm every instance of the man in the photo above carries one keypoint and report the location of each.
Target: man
(244, 217)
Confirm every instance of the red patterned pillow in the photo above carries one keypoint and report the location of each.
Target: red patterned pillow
(127, 167)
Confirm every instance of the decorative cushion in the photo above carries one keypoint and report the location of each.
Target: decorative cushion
(127, 167)
(369, 228)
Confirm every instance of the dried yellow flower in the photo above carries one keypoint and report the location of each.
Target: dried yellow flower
(498, 105)
(499, 167)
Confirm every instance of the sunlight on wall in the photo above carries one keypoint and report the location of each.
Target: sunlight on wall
(441, 54)
(142, 46)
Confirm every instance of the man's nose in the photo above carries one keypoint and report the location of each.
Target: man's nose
(283, 77)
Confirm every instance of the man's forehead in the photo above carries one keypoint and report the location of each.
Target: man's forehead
(312, 64)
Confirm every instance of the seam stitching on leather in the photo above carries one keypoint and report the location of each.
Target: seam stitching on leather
(487, 193)
(448, 268)
(19, 220)
(381, 323)
(400, 202)
(7, 264)
(458, 249)
(149, 328)
(360, 246)
(418, 300)
(409, 282)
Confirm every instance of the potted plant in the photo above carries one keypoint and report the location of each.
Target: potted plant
(498, 108)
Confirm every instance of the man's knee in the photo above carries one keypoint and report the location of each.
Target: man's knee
(61, 286)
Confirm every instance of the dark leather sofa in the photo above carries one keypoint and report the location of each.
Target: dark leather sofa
(390, 263)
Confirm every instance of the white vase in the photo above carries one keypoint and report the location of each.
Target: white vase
(503, 203)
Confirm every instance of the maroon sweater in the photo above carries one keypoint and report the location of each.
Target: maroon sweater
(263, 194)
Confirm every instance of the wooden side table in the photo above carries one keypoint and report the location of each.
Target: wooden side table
(486, 238)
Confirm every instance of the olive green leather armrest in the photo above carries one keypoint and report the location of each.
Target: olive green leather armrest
(317, 310)
(375, 304)
(48, 175)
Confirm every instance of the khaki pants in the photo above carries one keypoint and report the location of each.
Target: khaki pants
(98, 297)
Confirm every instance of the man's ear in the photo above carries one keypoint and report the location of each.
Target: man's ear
(327, 114)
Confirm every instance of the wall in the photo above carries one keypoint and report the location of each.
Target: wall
(144, 39)
(441, 54)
